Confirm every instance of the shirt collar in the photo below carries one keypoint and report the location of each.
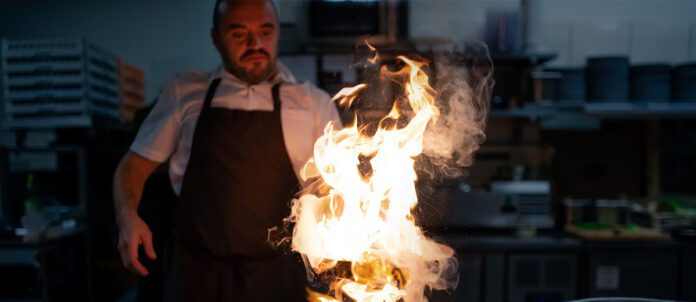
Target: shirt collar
(283, 75)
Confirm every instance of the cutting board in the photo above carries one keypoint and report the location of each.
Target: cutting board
(618, 234)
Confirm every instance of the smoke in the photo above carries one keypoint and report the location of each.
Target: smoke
(463, 78)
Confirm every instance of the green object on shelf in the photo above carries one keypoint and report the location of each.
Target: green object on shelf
(595, 226)
(631, 227)
(592, 226)
(677, 207)
(673, 203)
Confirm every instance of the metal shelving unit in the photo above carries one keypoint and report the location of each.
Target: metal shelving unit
(609, 110)
(658, 109)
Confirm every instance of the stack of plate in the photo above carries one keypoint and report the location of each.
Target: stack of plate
(684, 83)
(608, 79)
(651, 82)
(571, 84)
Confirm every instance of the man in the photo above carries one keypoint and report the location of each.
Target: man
(235, 139)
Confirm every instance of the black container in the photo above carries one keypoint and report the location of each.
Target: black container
(684, 83)
(608, 79)
(571, 85)
(651, 82)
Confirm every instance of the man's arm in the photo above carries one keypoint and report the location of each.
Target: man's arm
(326, 113)
(129, 180)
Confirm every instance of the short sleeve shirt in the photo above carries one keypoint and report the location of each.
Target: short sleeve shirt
(167, 132)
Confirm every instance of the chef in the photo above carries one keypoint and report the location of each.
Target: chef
(236, 139)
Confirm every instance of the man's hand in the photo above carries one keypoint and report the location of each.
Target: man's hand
(132, 233)
(129, 180)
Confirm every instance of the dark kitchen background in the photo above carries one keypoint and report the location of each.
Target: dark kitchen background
(584, 188)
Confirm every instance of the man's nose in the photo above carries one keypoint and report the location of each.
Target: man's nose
(254, 40)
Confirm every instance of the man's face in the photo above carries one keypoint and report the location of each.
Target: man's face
(247, 39)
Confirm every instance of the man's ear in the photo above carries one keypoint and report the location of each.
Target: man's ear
(215, 37)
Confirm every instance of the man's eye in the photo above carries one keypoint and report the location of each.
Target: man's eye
(238, 34)
(266, 34)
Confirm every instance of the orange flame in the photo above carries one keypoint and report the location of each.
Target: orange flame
(375, 58)
(348, 94)
(361, 210)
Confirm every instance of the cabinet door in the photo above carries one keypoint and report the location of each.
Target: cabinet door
(494, 277)
(469, 288)
(634, 274)
(541, 277)
(688, 277)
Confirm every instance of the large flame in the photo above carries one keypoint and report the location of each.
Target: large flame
(359, 209)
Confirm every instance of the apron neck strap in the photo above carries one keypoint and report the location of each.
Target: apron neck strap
(276, 97)
(211, 93)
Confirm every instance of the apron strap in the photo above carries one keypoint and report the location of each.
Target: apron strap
(276, 97)
(211, 93)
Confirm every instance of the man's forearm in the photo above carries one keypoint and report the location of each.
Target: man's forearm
(129, 181)
(127, 193)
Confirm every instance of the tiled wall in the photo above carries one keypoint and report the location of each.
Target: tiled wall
(645, 30)
(643, 42)
(170, 36)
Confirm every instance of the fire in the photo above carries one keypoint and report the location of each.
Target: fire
(374, 58)
(348, 94)
(359, 208)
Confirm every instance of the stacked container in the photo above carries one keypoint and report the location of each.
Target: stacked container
(608, 79)
(58, 83)
(651, 83)
(131, 91)
(684, 83)
(571, 84)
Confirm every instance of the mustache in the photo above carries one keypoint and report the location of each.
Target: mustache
(257, 51)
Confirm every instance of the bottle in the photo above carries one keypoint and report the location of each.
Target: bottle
(32, 221)
(31, 201)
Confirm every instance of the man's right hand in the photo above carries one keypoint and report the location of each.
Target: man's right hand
(132, 233)
(129, 180)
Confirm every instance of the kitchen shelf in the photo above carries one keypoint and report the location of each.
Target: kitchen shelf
(529, 57)
(642, 110)
(546, 110)
(533, 113)
(605, 110)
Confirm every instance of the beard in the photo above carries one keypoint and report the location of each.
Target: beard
(253, 73)
(256, 74)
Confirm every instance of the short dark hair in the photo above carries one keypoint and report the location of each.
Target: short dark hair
(216, 12)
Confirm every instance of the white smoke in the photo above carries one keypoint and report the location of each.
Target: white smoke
(463, 78)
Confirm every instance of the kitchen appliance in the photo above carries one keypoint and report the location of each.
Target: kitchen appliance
(331, 21)
(508, 204)
(611, 212)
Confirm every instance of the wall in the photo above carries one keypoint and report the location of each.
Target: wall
(165, 37)
(645, 30)
(457, 20)
(162, 37)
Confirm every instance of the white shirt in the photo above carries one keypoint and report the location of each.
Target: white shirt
(168, 129)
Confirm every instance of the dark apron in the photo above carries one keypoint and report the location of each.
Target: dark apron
(238, 183)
